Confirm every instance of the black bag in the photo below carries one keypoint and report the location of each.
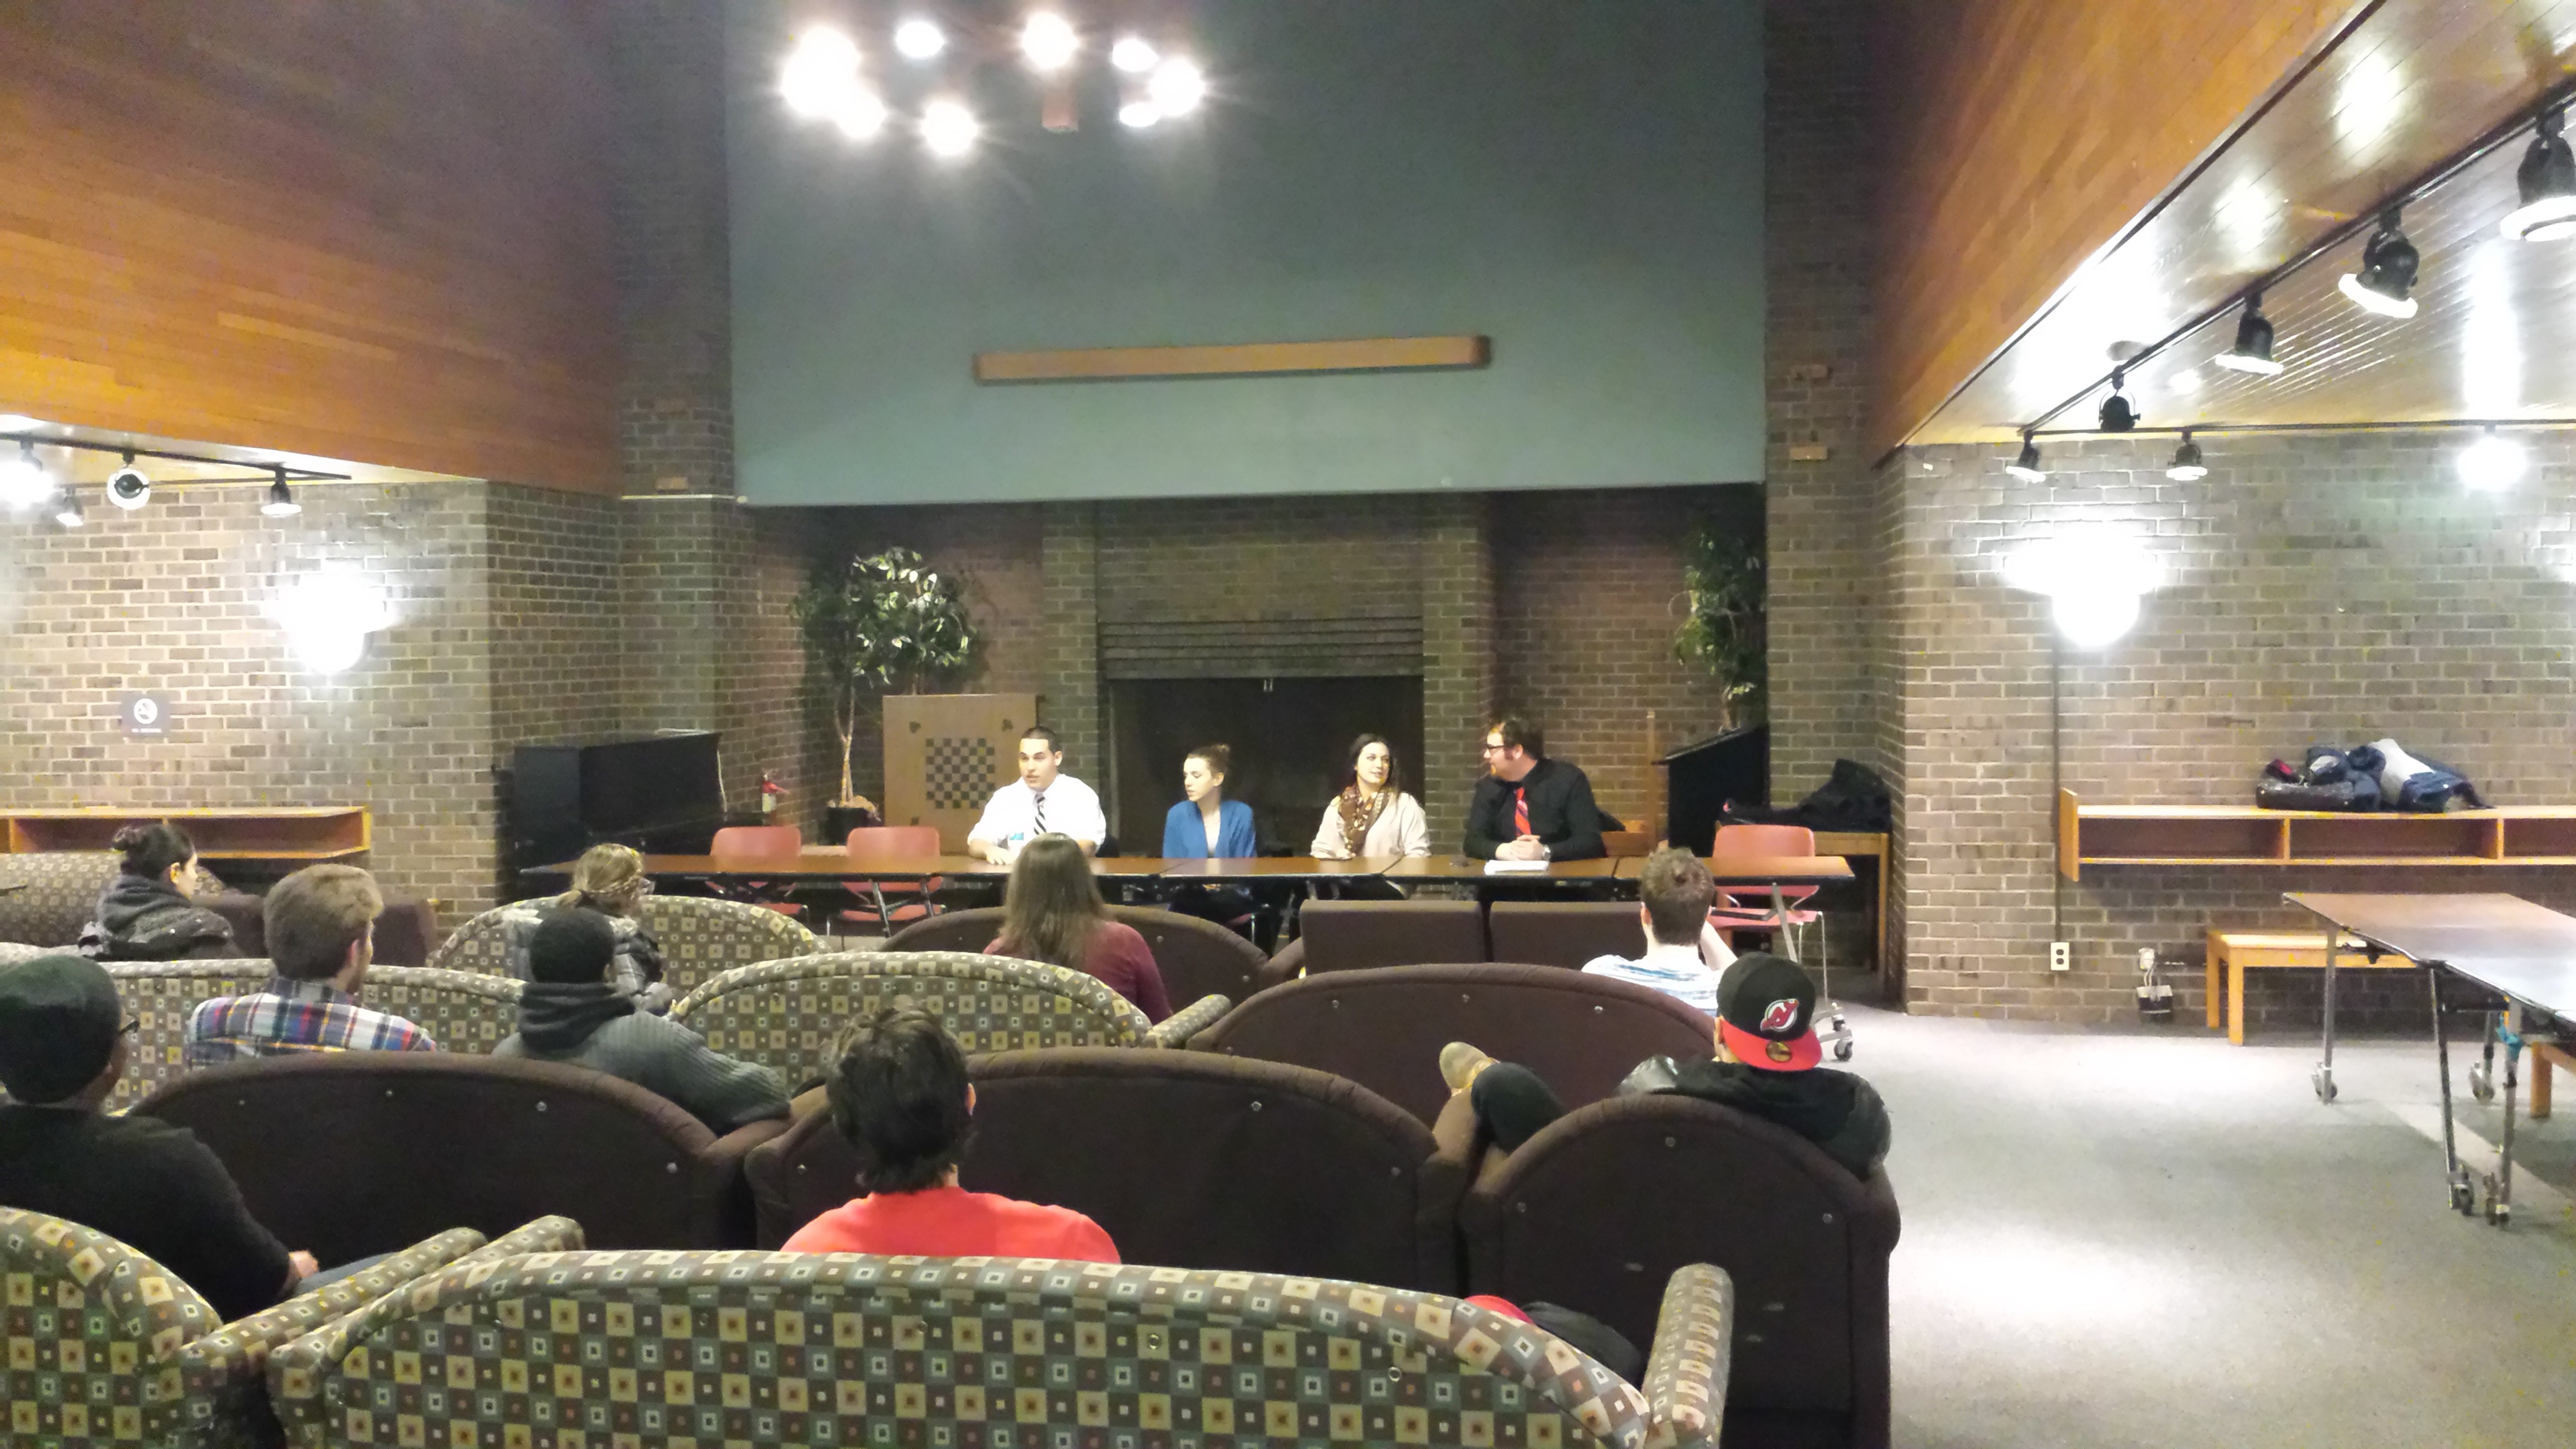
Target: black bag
(1852, 798)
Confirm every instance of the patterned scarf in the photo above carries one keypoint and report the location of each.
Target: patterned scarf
(1358, 816)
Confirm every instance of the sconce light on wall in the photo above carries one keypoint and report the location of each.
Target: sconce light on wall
(2093, 583)
(327, 616)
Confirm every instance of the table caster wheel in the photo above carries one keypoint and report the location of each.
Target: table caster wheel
(2481, 1083)
(2464, 1200)
(1842, 1051)
(2500, 1213)
(2323, 1080)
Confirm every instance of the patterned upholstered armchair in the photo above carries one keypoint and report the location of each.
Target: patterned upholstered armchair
(58, 892)
(461, 1010)
(786, 1014)
(700, 938)
(105, 1346)
(12, 952)
(777, 1348)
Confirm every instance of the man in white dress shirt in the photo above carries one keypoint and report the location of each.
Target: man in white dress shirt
(1044, 801)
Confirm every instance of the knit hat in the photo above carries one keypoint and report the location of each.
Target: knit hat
(58, 1024)
(571, 945)
(1766, 1013)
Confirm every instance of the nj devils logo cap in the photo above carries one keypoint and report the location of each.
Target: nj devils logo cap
(1766, 1011)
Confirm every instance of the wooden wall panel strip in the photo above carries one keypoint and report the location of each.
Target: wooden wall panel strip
(1099, 364)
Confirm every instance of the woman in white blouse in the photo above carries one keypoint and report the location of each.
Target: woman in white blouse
(1373, 815)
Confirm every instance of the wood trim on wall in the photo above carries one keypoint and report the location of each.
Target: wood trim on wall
(1102, 364)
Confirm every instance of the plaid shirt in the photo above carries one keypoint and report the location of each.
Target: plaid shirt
(293, 1016)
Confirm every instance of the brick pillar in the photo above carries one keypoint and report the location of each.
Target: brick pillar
(1069, 682)
(1458, 665)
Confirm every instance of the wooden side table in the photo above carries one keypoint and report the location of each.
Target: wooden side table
(2233, 953)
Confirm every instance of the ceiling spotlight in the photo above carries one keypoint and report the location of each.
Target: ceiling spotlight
(2026, 467)
(281, 499)
(2547, 178)
(2387, 272)
(1048, 40)
(861, 114)
(127, 488)
(68, 513)
(919, 39)
(2187, 466)
(2117, 415)
(1139, 113)
(24, 483)
(819, 73)
(1176, 87)
(2492, 463)
(948, 128)
(2253, 350)
(1133, 54)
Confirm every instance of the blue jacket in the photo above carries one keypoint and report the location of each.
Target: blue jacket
(1185, 838)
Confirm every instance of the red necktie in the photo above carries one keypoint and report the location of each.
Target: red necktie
(1520, 812)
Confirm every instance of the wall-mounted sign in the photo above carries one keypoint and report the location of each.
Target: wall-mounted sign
(146, 714)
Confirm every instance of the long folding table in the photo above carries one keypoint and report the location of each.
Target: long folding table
(2521, 953)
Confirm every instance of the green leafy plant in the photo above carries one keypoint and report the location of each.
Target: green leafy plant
(1723, 626)
(879, 624)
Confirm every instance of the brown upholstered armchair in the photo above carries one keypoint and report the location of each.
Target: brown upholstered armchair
(1384, 1028)
(1602, 1204)
(1362, 935)
(442, 1138)
(1247, 1165)
(1198, 958)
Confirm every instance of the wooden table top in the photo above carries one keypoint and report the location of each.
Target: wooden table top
(820, 863)
(1460, 867)
(1269, 867)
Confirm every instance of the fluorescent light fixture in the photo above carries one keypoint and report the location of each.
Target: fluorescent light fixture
(1177, 87)
(1049, 41)
(920, 39)
(1133, 54)
(948, 128)
(820, 72)
(2492, 463)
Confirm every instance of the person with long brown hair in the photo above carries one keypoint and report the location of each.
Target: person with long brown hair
(1372, 815)
(1052, 912)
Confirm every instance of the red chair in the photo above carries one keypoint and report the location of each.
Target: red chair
(757, 840)
(1770, 911)
(893, 902)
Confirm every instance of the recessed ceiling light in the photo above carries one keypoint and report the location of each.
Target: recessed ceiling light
(1049, 41)
(1177, 87)
(920, 39)
(1133, 54)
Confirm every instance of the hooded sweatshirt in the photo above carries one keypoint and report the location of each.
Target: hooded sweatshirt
(144, 918)
(594, 1024)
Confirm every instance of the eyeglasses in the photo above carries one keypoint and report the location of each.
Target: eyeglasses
(1494, 749)
(131, 1026)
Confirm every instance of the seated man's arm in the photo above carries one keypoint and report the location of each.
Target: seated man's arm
(718, 1090)
(1481, 809)
(1582, 837)
(1087, 825)
(238, 1266)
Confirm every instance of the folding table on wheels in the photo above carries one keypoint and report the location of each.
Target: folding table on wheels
(2504, 945)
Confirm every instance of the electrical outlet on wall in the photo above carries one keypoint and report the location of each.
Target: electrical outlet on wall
(2061, 956)
(2146, 960)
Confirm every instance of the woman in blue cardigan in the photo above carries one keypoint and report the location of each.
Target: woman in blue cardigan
(1208, 826)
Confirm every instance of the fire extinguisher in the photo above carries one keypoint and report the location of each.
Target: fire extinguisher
(771, 792)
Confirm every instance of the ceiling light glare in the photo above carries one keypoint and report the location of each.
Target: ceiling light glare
(2118, 415)
(1177, 87)
(2492, 463)
(18, 423)
(327, 617)
(24, 483)
(2093, 620)
(68, 514)
(819, 74)
(919, 39)
(862, 114)
(1049, 41)
(948, 128)
(1133, 54)
(2388, 263)
(280, 502)
(2093, 583)
(2253, 350)
(2187, 465)
(1139, 114)
(2026, 467)
(2547, 181)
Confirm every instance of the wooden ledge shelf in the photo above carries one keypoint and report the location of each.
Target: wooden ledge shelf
(287, 833)
(2241, 835)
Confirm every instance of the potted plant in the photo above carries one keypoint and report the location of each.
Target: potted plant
(877, 624)
(1723, 628)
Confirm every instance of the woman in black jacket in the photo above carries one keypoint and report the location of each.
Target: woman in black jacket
(149, 912)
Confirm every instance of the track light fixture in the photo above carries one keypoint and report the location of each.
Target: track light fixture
(2253, 350)
(67, 513)
(281, 499)
(127, 488)
(24, 483)
(2387, 274)
(2547, 178)
(2187, 465)
(2026, 467)
(2118, 416)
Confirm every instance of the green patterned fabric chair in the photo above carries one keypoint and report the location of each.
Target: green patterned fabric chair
(700, 938)
(107, 1347)
(786, 1014)
(776, 1349)
(58, 894)
(161, 995)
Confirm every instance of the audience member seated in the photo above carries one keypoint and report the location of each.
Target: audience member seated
(149, 911)
(900, 1095)
(1766, 1065)
(63, 1046)
(1052, 912)
(1529, 807)
(570, 1012)
(1684, 954)
(1043, 801)
(321, 935)
(1208, 826)
(1372, 816)
(610, 880)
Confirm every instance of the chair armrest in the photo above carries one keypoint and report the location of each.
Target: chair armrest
(1442, 1186)
(1177, 1029)
(1288, 965)
(557, 1234)
(1694, 1346)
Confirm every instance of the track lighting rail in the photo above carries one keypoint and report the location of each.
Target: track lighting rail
(267, 473)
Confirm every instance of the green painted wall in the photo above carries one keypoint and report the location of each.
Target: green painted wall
(1581, 180)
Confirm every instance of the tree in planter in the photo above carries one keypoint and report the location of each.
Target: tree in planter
(879, 624)
(1724, 629)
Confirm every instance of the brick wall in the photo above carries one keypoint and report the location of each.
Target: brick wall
(2319, 589)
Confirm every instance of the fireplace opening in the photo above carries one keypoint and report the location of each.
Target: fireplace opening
(1291, 739)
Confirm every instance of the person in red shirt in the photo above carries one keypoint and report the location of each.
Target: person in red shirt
(900, 1095)
(1052, 912)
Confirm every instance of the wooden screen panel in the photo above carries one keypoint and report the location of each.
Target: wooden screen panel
(945, 755)
(377, 232)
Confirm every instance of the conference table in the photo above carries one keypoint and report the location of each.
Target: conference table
(2521, 953)
(821, 864)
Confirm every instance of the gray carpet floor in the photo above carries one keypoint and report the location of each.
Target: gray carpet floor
(2153, 1238)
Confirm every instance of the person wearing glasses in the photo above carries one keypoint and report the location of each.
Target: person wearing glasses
(609, 879)
(1529, 807)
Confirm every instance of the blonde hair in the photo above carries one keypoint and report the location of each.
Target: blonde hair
(1052, 906)
(606, 874)
(314, 916)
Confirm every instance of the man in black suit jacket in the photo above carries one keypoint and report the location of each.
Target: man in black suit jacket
(1529, 807)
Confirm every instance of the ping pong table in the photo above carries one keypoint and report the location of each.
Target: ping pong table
(2509, 948)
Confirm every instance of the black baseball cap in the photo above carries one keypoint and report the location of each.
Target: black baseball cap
(58, 1025)
(1766, 1013)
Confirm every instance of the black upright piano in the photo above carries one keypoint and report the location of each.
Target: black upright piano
(662, 794)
